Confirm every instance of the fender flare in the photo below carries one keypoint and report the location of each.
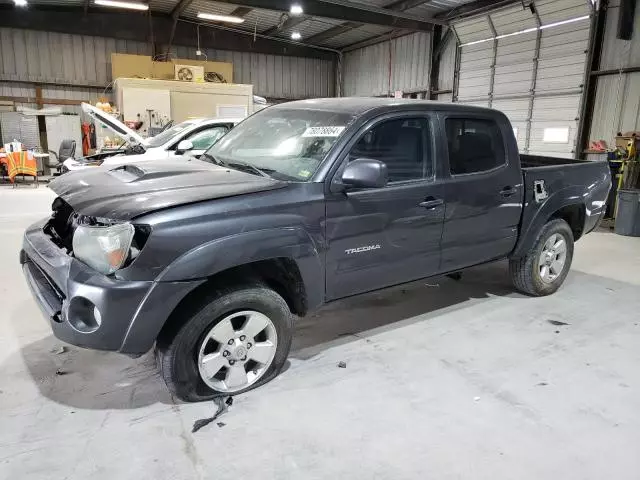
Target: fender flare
(243, 248)
(567, 197)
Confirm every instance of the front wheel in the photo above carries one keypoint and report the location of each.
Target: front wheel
(544, 267)
(238, 339)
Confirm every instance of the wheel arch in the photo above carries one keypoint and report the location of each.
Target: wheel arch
(571, 211)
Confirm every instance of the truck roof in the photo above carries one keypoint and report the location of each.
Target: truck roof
(360, 105)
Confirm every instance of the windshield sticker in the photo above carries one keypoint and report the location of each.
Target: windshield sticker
(304, 173)
(323, 132)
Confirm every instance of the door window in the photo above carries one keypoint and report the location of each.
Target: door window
(475, 145)
(404, 145)
(205, 138)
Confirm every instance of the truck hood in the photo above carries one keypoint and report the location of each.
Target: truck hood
(127, 191)
(113, 124)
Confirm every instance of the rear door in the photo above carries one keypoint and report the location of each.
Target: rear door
(384, 236)
(484, 189)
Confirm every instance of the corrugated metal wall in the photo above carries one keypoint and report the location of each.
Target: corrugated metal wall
(617, 105)
(84, 64)
(534, 75)
(399, 64)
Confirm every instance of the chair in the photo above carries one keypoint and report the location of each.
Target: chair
(67, 150)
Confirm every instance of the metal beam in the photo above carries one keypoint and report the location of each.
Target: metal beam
(180, 7)
(615, 71)
(134, 26)
(240, 11)
(474, 8)
(42, 101)
(375, 40)
(442, 44)
(290, 22)
(347, 11)
(587, 104)
(332, 32)
(434, 69)
(397, 6)
(402, 5)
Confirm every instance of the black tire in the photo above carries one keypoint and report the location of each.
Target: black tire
(177, 348)
(524, 270)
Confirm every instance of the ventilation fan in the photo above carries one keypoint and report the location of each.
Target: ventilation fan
(189, 73)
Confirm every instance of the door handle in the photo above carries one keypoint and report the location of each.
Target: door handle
(508, 191)
(431, 203)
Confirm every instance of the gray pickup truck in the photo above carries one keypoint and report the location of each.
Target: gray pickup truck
(301, 204)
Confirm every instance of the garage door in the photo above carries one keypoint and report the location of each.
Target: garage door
(530, 65)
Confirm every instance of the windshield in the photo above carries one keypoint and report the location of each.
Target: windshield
(164, 137)
(285, 144)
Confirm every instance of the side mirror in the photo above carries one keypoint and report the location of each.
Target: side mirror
(184, 146)
(365, 173)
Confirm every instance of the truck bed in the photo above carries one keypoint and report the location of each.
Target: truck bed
(559, 182)
(531, 161)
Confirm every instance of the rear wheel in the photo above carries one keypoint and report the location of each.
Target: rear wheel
(237, 340)
(544, 267)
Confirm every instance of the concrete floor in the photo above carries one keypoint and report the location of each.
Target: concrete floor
(444, 380)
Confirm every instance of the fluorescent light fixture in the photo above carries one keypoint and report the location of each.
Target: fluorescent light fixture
(528, 30)
(220, 18)
(122, 4)
(20, 3)
(295, 36)
(295, 9)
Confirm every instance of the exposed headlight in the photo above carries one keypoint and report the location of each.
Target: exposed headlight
(103, 248)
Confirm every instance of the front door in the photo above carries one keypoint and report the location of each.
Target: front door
(379, 237)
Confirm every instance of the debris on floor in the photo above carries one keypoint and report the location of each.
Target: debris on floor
(59, 350)
(542, 384)
(221, 424)
(476, 399)
(61, 372)
(557, 323)
(342, 365)
(223, 405)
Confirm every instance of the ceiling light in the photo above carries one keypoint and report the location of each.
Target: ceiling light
(296, 36)
(220, 18)
(295, 9)
(20, 3)
(122, 4)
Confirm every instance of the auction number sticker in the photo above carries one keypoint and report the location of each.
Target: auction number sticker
(323, 131)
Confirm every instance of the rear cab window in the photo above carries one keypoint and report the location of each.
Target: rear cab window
(475, 145)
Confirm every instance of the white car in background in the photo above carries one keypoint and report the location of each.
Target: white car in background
(191, 137)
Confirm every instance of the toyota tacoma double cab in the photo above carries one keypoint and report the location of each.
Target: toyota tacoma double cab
(301, 204)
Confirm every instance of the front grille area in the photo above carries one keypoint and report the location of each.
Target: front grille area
(44, 287)
(60, 226)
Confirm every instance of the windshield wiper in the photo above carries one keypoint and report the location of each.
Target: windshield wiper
(211, 158)
(239, 165)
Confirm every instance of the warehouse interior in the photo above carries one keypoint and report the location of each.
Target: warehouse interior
(457, 375)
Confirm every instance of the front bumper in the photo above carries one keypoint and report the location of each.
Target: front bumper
(88, 309)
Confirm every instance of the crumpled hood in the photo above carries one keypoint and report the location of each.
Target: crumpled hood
(126, 191)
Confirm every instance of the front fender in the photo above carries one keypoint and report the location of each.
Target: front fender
(243, 248)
